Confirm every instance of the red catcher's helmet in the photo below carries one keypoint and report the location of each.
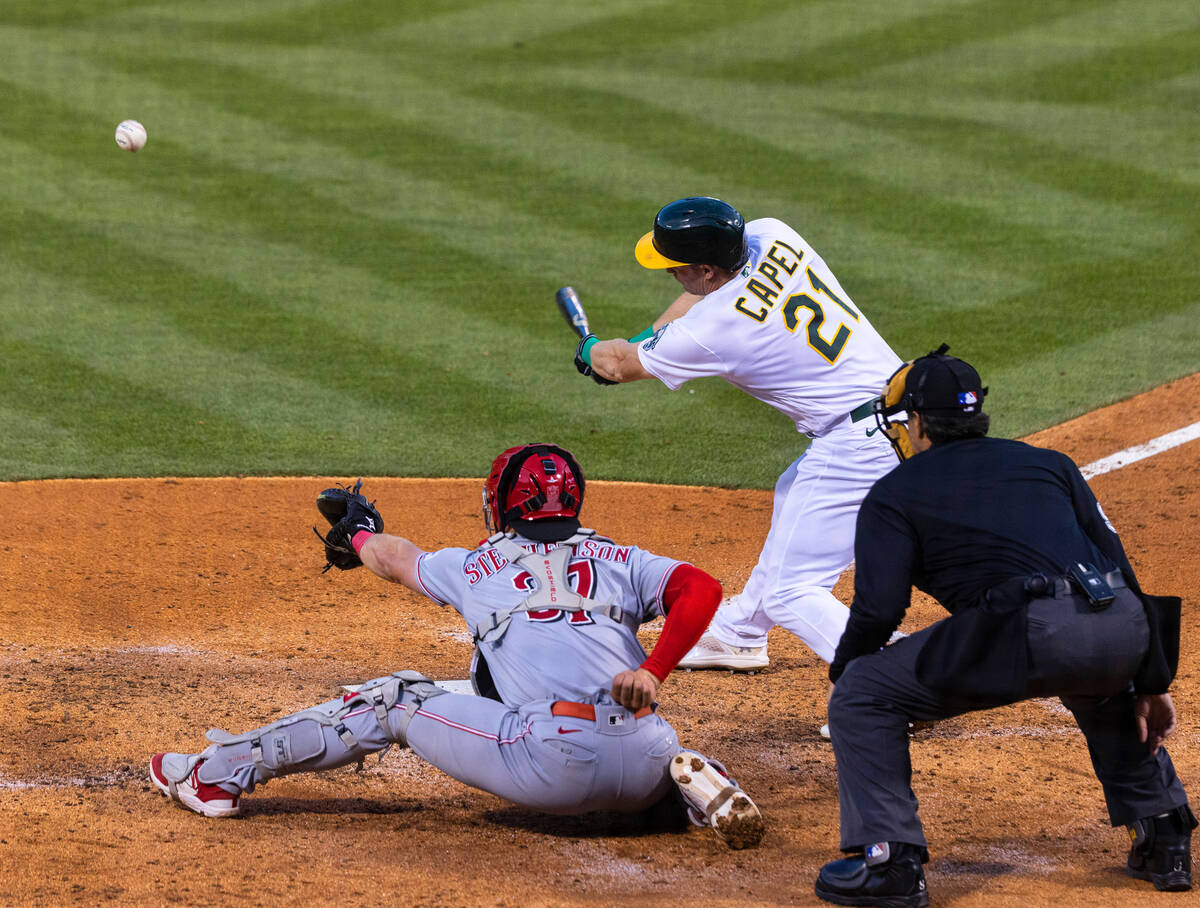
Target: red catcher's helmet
(539, 484)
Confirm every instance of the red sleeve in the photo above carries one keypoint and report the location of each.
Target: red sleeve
(689, 601)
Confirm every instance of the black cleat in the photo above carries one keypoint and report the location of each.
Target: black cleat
(1162, 850)
(888, 876)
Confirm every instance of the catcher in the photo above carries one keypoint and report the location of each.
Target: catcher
(566, 720)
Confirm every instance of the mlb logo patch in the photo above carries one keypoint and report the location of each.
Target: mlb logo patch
(967, 398)
(877, 852)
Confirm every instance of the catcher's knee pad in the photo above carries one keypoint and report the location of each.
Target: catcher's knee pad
(301, 741)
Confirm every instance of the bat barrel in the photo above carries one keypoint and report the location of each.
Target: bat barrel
(572, 309)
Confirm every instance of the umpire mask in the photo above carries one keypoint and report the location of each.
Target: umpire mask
(934, 383)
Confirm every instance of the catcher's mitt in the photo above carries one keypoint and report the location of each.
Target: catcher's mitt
(348, 513)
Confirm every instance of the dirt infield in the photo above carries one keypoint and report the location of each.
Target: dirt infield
(137, 613)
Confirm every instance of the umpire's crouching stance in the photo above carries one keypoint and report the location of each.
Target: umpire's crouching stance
(1012, 542)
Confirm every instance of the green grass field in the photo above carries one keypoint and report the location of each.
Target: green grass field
(338, 252)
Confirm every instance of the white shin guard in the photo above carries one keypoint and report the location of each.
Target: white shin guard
(340, 731)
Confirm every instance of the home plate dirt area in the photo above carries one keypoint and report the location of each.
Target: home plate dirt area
(137, 613)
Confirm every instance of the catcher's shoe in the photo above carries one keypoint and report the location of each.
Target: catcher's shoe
(709, 652)
(188, 790)
(1162, 850)
(716, 800)
(889, 875)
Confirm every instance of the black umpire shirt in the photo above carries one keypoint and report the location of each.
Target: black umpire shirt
(962, 517)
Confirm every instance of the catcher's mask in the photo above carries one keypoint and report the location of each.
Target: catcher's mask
(934, 383)
(538, 485)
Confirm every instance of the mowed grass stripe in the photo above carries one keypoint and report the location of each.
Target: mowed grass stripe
(812, 174)
(43, 14)
(199, 341)
(510, 25)
(889, 45)
(859, 153)
(335, 168)
(1099, 54)
(1048, 386)
(264, 385)
(100, 421)
(1118, 74)
(155, 349)
(789, 34)
(1119, 207)
(1159, 142)
(178, 15)
(330, 22)
(406, 229)
(988, 59)
(568, 118)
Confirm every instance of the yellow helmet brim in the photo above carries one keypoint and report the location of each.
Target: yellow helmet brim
(649, 257)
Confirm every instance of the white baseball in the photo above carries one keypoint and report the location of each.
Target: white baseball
(131, 135)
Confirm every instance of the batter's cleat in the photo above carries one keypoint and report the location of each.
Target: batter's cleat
(823, 731)
(709, 652)
(1162, 850)
(716, 800)
(889, 875)
(178, 777)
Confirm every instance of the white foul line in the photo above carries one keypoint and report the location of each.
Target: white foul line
(1141, 452)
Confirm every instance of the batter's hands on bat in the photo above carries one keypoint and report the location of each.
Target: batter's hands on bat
(582, 364)
(635, 688)
(1155, 717)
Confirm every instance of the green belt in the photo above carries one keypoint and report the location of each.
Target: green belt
(862, 411)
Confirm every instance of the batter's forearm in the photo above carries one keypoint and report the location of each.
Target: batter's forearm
(677, 309)
(617, 360)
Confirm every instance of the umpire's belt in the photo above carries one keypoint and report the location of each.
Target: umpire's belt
(1039, 586)
(587, 710)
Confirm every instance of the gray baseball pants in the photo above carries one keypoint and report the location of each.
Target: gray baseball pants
(528, 755)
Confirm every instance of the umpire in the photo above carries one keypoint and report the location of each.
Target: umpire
(1043, 602)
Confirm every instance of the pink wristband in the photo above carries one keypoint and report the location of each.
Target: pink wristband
(360, 539)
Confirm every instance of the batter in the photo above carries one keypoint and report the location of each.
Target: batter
(566, 722)
(763, 311)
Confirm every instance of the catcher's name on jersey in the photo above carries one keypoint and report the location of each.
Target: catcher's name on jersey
(488, 560)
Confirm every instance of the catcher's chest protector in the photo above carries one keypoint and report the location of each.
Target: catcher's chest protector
(552, 591)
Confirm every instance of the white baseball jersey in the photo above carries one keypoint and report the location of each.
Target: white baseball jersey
(783, 330)
(786, 332)
(552, 654)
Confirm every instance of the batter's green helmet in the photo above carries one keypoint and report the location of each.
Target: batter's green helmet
(695, 231)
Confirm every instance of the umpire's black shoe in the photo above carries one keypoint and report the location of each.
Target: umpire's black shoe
(889, 875)
(1162, 850)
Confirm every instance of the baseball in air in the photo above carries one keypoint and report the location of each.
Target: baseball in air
(131, 135)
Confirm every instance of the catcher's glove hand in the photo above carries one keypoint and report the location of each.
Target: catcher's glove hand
(348, 513)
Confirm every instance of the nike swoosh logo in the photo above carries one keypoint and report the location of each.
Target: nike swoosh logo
(871, 432)
(567, 731)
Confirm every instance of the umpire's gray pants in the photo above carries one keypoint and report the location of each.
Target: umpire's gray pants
(1086, 658)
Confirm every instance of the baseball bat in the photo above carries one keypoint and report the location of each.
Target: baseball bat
(572, 310)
